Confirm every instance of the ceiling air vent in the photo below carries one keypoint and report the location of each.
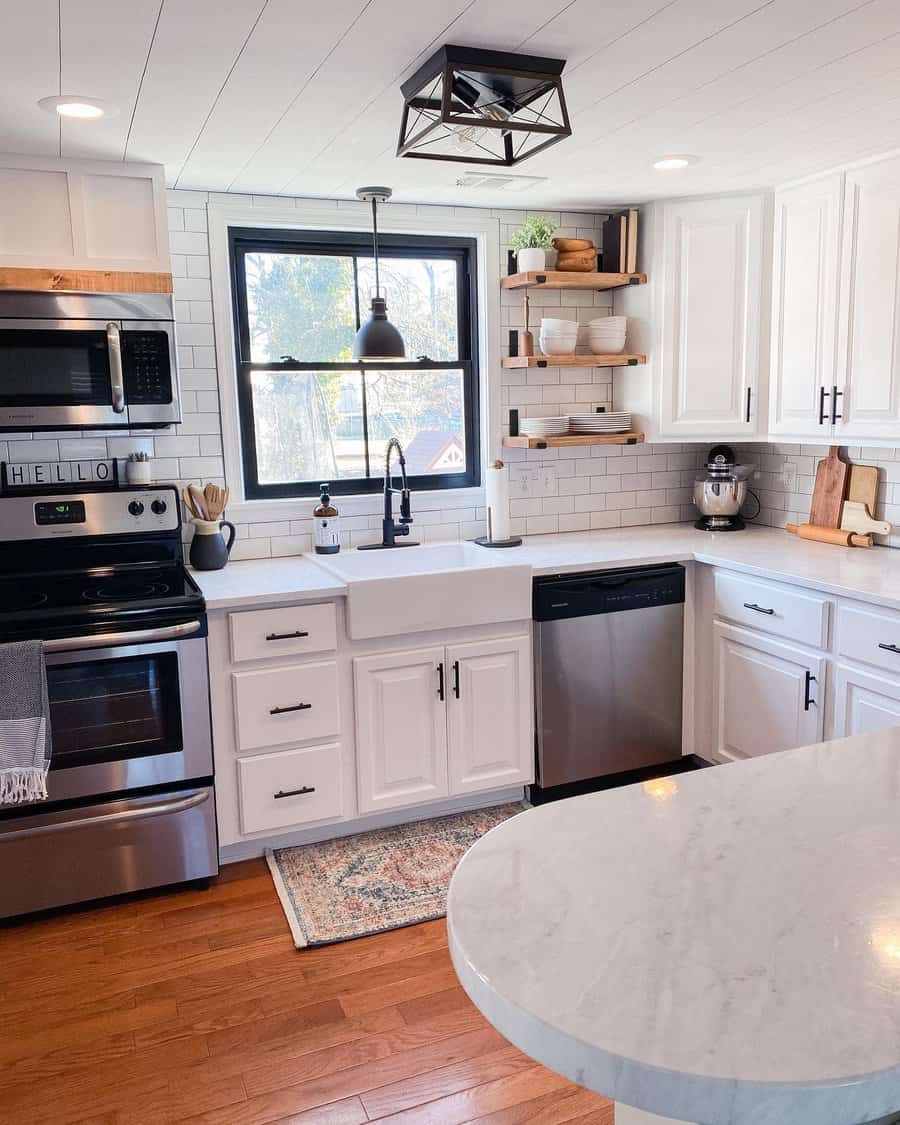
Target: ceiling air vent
(494, 181)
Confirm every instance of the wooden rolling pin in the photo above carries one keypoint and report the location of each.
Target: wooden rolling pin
(833, 535)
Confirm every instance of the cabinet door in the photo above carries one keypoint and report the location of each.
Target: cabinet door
(864, 702)
(768, 695)
(490, 714)
(804, 307)
(710, 354)
(401, 729)
(869, 323)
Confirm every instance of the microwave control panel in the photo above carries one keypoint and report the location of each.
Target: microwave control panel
(148, 374)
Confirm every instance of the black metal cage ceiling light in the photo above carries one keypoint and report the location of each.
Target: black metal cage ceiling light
(483, 107)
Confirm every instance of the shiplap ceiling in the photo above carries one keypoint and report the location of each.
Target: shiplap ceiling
(300, 98)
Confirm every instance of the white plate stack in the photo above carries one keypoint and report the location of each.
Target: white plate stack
(606, 335)
(545, 427)
(609, 422)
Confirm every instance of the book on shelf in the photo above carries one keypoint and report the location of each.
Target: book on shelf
(620, 242)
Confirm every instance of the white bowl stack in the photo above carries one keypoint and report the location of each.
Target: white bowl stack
(558, 337)
(608, 422)
(606, 335)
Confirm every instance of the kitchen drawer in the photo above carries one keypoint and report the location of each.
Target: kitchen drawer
(869, 634)
(260, 634)
(786, 611)
(289, 787)
(294, 704)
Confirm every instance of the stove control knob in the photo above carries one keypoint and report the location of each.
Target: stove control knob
(136, 508)
(158, 507)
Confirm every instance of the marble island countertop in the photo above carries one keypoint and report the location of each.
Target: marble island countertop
(871, 575)
(719, 947)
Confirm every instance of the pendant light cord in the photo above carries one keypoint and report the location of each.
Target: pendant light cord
(375, 244)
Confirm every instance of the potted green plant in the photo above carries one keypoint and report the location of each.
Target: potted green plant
(531, 242)
(137, 468)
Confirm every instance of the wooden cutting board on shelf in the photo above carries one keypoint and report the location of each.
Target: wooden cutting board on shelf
(832, 482)
(863, 486)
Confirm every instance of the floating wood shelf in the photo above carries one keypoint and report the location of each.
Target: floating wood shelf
(573, 360)
(524, 441)
(558, 279)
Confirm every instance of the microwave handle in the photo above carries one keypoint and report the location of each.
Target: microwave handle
(114, 343)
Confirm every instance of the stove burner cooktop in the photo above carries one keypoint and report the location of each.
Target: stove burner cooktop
(124, 590)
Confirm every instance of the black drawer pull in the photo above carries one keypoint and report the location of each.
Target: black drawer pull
(294, 792)
(759, 608)
(441, 681)
(285, 636)
(456, 678)
(807, 701)
(284, 710)
(891, 648)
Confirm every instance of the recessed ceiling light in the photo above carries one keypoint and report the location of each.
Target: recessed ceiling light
(76, 105)
(674, 161)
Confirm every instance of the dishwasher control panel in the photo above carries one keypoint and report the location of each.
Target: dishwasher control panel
(607, 591)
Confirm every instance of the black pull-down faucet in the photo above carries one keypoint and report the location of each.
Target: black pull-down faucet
(390, 528)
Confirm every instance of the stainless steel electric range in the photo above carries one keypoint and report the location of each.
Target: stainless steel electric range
(98, 577)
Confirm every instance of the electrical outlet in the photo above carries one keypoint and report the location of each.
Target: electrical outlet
(789, 476)
(527, 482)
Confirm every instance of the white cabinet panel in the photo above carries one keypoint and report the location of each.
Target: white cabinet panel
(263, 634)
(278, 705)
(804, 307)
(712, 277)
(796, 615)
(289, 787)
(869, 347)
(768, 695)
(870, 634)
(490, 719)
(401, 729)
(864, 702)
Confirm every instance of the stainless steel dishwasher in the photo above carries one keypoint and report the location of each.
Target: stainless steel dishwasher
(608, 650)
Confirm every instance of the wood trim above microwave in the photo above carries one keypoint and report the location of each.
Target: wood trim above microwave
(84, 281)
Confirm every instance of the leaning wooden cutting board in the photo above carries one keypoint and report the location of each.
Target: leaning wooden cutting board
(863, 486)
(832, 482)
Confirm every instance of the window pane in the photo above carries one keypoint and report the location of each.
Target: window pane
(421, 301)
(425, 411)
(300, 305)
(309, 425)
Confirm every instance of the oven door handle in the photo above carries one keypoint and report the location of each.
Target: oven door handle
(111, 640)
(117, 379)
(160, 808)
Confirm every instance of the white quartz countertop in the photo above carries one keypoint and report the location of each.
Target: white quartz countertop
(871, 575)
(719, 947)
(265, 582)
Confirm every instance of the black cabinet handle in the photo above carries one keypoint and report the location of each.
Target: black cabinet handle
(749, 396)
(285, 636)
(891, 648)
(441, 681)
(807, 702)
(294, 792)
(835, 393)
(759, 608)
(823, 394)
(456, 678)
(284, 710)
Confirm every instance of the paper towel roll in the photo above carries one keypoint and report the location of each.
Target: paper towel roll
(497, 496)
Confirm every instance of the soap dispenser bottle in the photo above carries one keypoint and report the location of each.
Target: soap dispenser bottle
(327, 524)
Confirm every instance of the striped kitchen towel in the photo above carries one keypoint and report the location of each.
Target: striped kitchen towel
(25, 744)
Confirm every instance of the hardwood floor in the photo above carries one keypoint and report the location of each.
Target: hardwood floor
(195, 1007)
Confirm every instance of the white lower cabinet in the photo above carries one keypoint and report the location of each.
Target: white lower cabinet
(489, 715)
(437, 722)
(768, 695)
(401, 729)
(864, 702)
(289, 787)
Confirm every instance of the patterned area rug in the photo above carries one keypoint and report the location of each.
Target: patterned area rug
(376, 881)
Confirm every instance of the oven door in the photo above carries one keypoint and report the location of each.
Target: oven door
(60, 374)
(128, 715)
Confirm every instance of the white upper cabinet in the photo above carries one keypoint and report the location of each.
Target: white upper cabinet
(82, 215)
(804, 308)
(868, 369)
(709, 351)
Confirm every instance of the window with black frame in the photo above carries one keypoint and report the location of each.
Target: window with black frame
(309, 412)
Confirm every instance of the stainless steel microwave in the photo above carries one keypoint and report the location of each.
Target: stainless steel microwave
(75, 360)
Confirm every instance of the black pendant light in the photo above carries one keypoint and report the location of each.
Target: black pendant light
(377, 338)
(483, 107)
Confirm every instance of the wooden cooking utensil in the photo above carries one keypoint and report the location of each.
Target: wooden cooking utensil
(857, 517)
(832, 482)
(189, 503)
(526, 342)
(832, 535)
(198, 502)
(863, 485)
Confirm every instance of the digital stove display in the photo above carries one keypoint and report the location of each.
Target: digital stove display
(59, 511)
